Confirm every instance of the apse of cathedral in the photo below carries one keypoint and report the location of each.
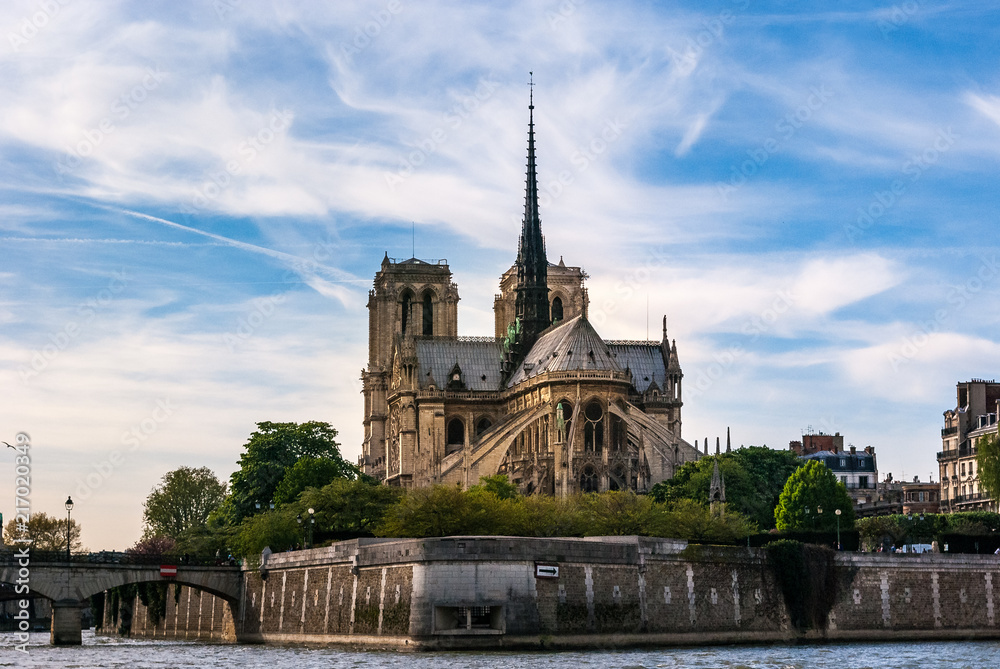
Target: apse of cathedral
(545, 400)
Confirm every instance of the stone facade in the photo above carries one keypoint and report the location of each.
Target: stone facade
(545, 400)
(974, 416)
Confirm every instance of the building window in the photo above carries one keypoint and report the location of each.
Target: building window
(588, 480)
(593, 429)
(456, 432)
(482, 425)
(843, 463)
(557, 310)
(862, 481)
(963, 469)
(428, 315)
(405, 317)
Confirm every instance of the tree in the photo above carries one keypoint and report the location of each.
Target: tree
(268, 454)
(809, 488)
(47, 533)
(688, 519)
(347, 509)
(183, 500)
(307, 472)
(988, 465)
(754, 478)
(617, 513)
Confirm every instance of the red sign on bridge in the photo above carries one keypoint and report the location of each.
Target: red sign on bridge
(168, 571)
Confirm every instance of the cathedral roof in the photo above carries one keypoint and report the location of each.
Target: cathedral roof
(643, 360)
(572, 346)
(478, 358)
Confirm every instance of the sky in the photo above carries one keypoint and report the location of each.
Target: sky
(195, 197)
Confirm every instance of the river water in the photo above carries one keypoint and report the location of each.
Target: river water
(110, 653)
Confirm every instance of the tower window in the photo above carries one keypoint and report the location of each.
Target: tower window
(405, 317)
(588, 480)
(557, 310)
(482, 425)
(428, 315)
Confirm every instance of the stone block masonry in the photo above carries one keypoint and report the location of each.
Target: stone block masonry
(487, 592)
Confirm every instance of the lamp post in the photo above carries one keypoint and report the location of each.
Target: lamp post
(69, 527)
(312, 521)
(298, 519)
(837, 513)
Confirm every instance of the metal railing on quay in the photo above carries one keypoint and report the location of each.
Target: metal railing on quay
(10, 555)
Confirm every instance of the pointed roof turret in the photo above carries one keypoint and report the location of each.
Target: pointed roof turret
(717, 490)
(729, 448)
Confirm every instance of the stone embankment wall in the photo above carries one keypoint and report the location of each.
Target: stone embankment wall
(481, 592)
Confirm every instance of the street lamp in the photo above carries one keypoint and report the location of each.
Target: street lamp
(69, 508)
(298, 519)
(837, 512)
(312, 521)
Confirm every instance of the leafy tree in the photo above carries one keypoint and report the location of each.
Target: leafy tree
(347, 509)
(47, 533)
(275, 529)
(617, 513)
(441, 511)
(307, 472)
(547, 516)
(497, 485)
(754, 477)
(183, 500)
(810, 487)
(688, 519)
(155, 545)
(988, 464)
(268, 454)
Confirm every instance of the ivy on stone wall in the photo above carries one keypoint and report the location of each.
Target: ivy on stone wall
(154, 597)
(808, 579)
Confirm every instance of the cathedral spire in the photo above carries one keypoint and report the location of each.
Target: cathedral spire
(531, 306)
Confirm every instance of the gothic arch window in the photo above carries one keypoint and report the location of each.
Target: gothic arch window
(428, 315)
(617, 433)
(557, 310)
(483, 424)
(456, 432)
(618, 479)
(588, 479)
(407, 307)
(593, 428)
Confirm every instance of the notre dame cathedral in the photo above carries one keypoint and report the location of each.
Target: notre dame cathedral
(545, 400)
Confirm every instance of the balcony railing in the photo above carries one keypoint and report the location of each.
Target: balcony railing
(948, 431)
(961, 452)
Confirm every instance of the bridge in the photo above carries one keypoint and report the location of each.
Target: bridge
(69, 583)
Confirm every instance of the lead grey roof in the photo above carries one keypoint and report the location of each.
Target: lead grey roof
(478, 358)
(644, 360)
(572, 346)
(853, 462)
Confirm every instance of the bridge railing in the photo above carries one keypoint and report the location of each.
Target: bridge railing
(8, 557)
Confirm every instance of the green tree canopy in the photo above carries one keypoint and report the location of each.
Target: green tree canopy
(47, 533)
(268, 454)
(988, 464)
(809, 488)
(307, 472)
(754, 477)
(183, 500)
(347, 509)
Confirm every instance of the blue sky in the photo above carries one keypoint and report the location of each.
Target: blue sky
(195, 197)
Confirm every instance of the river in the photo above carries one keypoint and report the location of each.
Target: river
(111, 653)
